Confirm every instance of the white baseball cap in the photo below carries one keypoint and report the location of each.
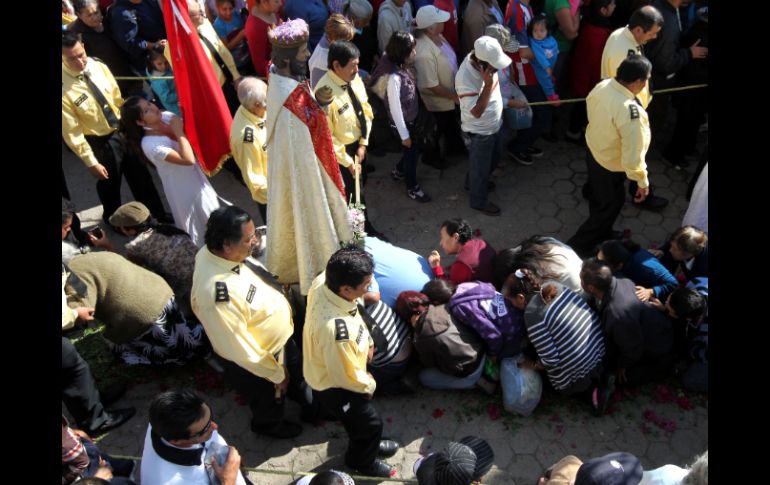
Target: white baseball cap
(488, 49)
(429, 15)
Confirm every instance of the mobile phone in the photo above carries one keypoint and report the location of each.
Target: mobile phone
(97, 232)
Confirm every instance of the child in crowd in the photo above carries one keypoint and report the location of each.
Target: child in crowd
(545, 50)
(229, 26)
(165, 89)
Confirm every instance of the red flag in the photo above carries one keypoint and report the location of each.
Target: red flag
(204, 109)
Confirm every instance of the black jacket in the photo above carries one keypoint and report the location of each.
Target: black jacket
(666, 52)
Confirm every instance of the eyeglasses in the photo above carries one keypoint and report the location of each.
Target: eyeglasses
(205, 428)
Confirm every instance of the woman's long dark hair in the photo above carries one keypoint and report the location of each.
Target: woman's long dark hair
(130, 113)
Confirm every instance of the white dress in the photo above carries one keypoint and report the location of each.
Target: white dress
(188, 191)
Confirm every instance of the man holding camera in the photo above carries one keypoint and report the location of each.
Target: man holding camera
(481, 111)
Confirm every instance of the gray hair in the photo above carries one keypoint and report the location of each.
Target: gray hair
(252, 92)
(79, 5)
(699, 472)
(358, 9)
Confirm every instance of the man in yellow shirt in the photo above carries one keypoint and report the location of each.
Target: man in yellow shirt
(337, 346)
(643, 26)
(618, 136)
(343, 95)
(248, 321)
(247, 140)
(90, 103)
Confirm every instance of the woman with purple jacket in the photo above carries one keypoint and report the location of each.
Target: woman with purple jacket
(481, 307)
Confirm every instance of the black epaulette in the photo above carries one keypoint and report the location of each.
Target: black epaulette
(248, 135)
(221, 292)
(340, 330)
(251, 293)
(634, 111)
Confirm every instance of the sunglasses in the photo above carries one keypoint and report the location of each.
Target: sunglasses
(205, 428)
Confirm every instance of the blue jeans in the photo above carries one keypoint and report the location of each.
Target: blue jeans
(408, 165)
(483, 155)
(433, 378)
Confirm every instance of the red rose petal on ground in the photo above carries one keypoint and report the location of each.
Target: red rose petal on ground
(493, 411)
(559, 428)
(573, 445)
(437, 413)
(429, 433)
(389, 419)
(477, 232)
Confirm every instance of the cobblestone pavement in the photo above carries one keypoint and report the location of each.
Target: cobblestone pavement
(545, 198)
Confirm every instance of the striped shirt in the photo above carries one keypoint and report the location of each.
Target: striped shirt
(567, 337)
(395, 329)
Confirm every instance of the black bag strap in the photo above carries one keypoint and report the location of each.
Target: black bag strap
(218, 58)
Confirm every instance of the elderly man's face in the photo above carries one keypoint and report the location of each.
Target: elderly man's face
(347, 73)
(194, 10)
(92, 17)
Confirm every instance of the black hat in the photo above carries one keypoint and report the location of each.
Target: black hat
(619, 468)
(459, 463)
(484, 455)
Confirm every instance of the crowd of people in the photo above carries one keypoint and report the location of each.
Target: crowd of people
(317, 306)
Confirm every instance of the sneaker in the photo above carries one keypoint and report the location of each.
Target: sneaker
(396, 175)
(534, 152)
(522, 158)
(417, 194)
(602, 395)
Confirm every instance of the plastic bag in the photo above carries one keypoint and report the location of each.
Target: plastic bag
(522, 388)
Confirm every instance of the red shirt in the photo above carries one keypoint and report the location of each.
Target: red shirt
(522, 71)
(259, 47)
(589, 47)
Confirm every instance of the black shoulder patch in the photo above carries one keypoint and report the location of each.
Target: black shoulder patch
(250, 294)
(248, 134)
(340, 330)
(360, 334)
(634, 111)
(221, 292)
(343, 109)
(81, 99)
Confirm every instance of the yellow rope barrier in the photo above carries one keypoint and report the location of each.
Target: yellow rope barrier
(659, 91)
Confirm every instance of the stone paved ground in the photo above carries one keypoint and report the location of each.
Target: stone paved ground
(544, 198)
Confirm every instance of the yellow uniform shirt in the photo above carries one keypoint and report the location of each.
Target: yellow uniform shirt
(343, 122)
(80, 113)
(206, 30)
(335, 342)
(619, 45)
(618, 132)
(247, 321)
(247, 145)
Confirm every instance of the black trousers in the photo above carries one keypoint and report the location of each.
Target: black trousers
(350, 185)
(606, 199)
(78, 390)
(361, 422)
(266, 410)
(449, 129)
(111, 152)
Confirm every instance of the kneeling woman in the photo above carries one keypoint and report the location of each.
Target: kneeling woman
(160, 138)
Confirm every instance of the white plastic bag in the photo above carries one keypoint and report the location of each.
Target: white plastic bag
(522, 388)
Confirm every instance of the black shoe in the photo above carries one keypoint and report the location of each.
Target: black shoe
(378, 468)
(490, 209)
(535, 152)
(522, 158)
(416, 193)
(388, 448)
(653, 203)
(578, 139)
(115, 418)
(112, 393)
(283, 430)
(678, 162)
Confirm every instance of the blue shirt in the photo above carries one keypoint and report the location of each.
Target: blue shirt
(396, 269)
(314, 12)
(223, 28)
(646, 270)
